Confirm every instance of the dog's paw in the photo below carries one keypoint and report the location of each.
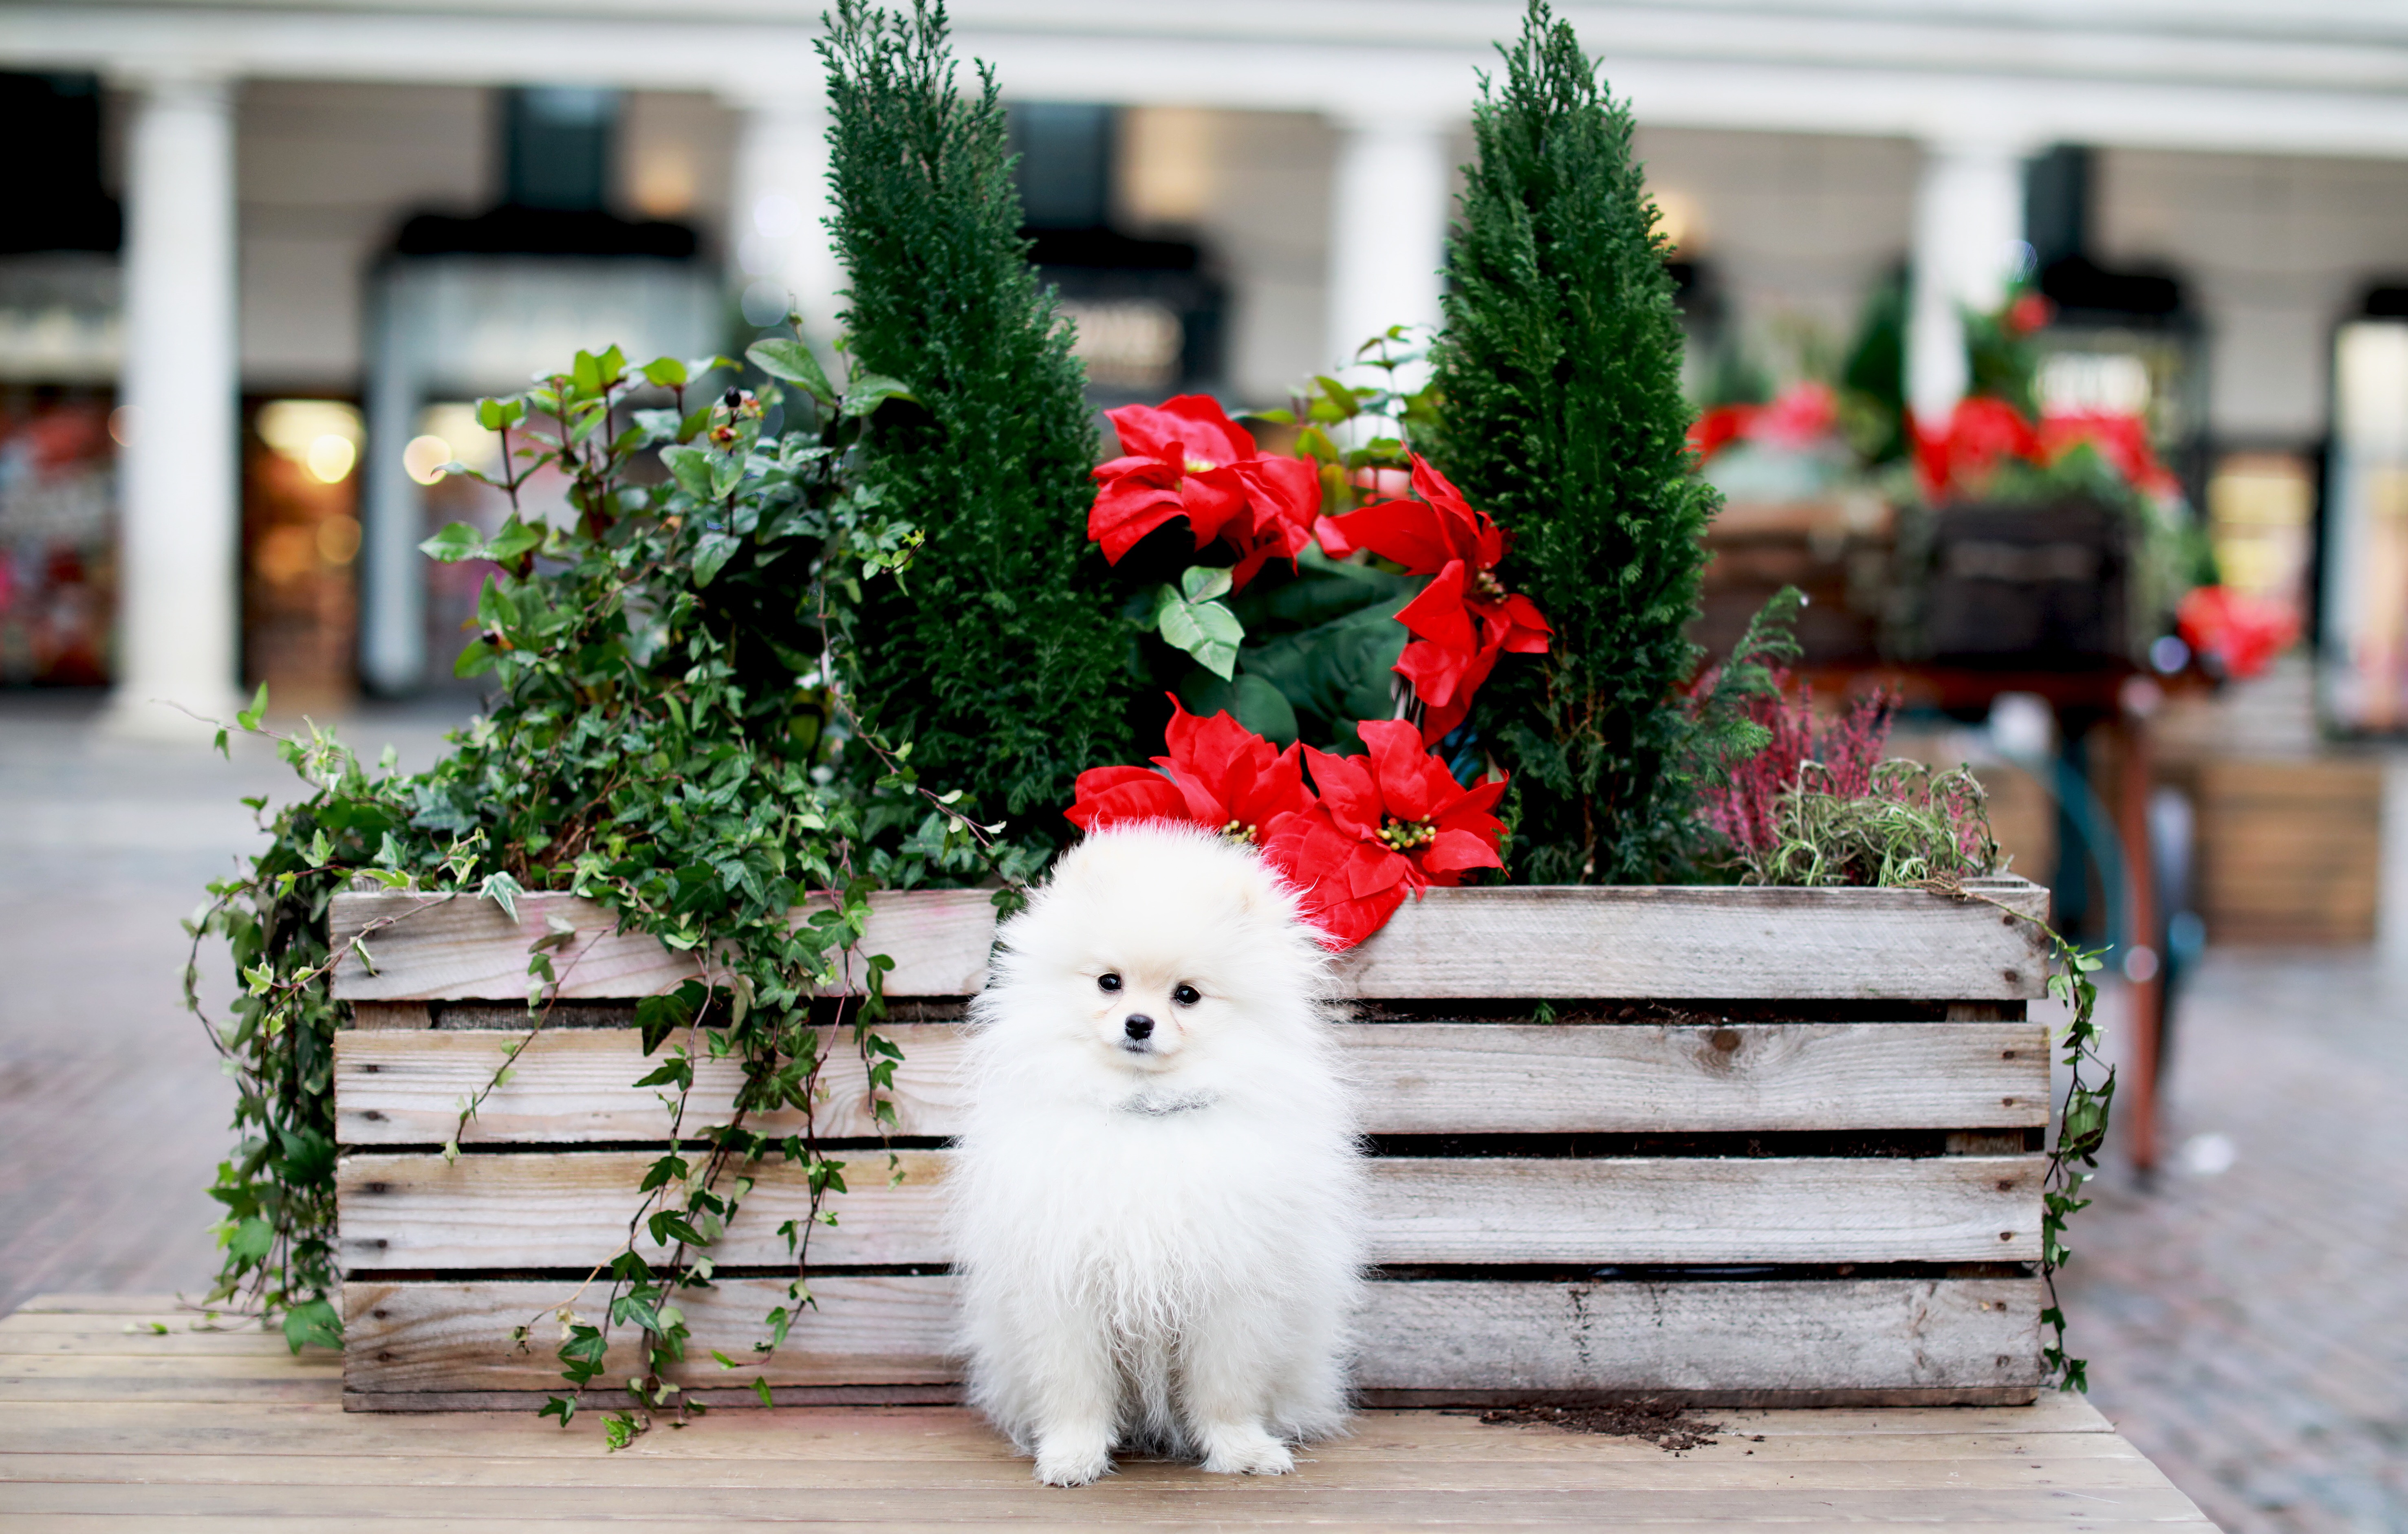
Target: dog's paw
(1073, 1459)
(1245, 1451)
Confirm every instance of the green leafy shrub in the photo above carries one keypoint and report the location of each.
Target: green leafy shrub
(1559, 372)
(1004, 658)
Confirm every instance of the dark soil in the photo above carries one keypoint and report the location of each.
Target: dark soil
(1668, 1428)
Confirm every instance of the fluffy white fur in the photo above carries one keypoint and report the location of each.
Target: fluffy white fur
(1160, 1239)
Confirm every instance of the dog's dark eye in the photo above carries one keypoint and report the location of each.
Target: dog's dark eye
(1108, 982)
(1186, 995)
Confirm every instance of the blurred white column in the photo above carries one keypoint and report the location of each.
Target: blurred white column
(1969, 228)
(777, 233)
(180, 527)
(1387, 229)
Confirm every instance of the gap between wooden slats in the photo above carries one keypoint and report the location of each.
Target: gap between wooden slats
(1506, 943)
(1414, 1078)
(1842, 1334)
(545, 1209)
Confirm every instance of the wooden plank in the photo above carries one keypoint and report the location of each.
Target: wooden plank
(1527, 942)
(1138, 1492)
(1795, 1335)
(1470, 1518)
(469, 949)
(309, 1427)
(573, 1086)
(1321, 1466)
(569, 1211)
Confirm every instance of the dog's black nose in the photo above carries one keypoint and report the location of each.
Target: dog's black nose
(1138, 1026)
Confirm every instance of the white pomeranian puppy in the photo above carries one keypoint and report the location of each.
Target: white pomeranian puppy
(1155, 1211)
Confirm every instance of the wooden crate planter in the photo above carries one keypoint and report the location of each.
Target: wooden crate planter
(1780, 1147)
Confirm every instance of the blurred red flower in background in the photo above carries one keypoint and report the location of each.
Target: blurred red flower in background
(2242, 634)
(1962, 455)
(2122, 441)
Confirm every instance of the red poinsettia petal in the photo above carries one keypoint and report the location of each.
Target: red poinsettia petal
(1201, 801)
(1437, 488)
(1525, 630)
(1345, 886)
(1407, 532)
(1275, 794)
(1457, 852)
(1441, 673)
(1332, 537)
(1110, 795)
(1470, 812)
(1131, 506)
(1439, 613)
(1286, 490)
(1212, 502)
(1412, 783)
(1194, 425)
(1348, 791)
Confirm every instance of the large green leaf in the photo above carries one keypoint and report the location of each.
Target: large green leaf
(1322, 589)
(1255, 703)
(1338, 672)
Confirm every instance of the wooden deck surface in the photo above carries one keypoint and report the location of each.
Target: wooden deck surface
(108, 1422)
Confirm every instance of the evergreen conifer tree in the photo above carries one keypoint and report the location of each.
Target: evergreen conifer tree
(998, 657)
(1560, 371)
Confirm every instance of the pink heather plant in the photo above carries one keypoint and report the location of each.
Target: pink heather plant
(1746, 807)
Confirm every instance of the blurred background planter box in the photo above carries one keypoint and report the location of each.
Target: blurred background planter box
(2033, 585)
(1775, 1146)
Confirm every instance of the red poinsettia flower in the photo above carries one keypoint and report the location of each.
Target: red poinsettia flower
(1464, 619)
(2122, 441)
(2240, 633)
(1962, 455)
(2030, 311)
(1387, 824)
(1284, 501)
(1186, 458)
(1219, 773)
(1719, 427)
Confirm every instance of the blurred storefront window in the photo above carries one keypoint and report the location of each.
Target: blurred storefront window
(2365, 577)
(57, 526)
(301, 540)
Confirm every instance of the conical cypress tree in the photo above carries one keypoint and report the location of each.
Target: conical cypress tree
(999, 657)
(1560, 371)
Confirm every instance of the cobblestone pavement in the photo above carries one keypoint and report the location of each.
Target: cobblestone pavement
(112, 1110)
(2245, 1315)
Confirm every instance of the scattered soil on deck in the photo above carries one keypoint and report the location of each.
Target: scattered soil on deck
(1668, 1428)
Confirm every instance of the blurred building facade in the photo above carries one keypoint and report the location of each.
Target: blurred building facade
(379, 208)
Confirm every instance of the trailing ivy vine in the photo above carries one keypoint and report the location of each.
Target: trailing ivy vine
(668, 641)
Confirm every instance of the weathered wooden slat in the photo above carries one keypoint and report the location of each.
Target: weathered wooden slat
(570, 1209)
(574, 1087)
(1839, 1334)
(1533, 941)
